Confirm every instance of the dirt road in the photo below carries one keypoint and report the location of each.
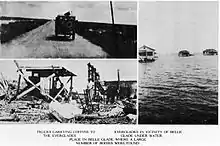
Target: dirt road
(41, 43)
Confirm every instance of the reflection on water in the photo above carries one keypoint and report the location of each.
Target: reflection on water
(178, 90)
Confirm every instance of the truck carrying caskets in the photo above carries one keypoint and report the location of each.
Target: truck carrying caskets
(65, 25)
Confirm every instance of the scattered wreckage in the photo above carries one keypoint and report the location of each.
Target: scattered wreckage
(45, 98)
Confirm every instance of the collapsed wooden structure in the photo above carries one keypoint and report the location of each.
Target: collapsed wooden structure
(38, 76)
(90, 106)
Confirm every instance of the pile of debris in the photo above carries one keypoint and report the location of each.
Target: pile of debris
(41, 112)
(33, 104)
(33, 110)
(23, 112)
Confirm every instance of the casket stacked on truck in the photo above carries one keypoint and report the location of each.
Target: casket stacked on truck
(65, 25)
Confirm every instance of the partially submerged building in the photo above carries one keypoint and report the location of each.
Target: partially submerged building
(184, 53)
(210, 52)
(147, 54)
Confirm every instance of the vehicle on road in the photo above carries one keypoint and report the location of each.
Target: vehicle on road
(65, 25)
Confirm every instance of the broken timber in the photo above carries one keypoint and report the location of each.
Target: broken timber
(50, 73)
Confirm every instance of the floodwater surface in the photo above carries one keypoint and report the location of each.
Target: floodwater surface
(179, 90)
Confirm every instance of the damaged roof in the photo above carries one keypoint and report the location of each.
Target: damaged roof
(48, 70)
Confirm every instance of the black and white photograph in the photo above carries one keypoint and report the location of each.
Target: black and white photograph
(118, 72)
(178, 62)
(68, 29)
(68, 91)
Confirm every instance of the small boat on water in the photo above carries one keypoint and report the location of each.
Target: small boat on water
(147, 54)
(210, 52)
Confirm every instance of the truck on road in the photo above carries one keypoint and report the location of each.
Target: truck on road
(65, 25)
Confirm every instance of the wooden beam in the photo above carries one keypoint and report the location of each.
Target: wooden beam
(19, 69)
(28, 90)
(71, 83)
(62, 89)
(18, 88)
(35, 86)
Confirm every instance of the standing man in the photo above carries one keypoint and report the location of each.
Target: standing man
(90, 88)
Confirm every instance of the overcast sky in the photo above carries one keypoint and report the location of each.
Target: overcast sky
(171, 26)
(106, 68)
(98, 11)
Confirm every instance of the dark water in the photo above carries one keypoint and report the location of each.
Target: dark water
(178, 90)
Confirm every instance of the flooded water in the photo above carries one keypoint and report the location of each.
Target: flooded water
(179, 90)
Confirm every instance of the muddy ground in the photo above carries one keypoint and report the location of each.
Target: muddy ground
(35, 112)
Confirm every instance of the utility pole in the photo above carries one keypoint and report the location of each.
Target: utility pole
(112, 13)
(114, 35)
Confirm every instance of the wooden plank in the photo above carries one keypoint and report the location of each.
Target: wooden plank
(8, 118)
(35, 86)
(18, 88)
(62, 89)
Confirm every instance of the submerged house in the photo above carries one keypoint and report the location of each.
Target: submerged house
(184, 53)
(210, 52)
(147, 54)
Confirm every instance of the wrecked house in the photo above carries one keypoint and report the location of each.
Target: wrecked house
(45, 81)
(46, 98)
(124, 88)
(44, 92)
(121, 94)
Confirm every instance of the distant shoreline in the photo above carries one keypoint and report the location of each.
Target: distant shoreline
(26, 18)
(21, 18)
